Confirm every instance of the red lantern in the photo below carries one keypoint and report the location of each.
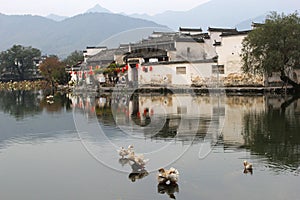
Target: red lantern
(126, 67)
(150, 68)
(137, 65)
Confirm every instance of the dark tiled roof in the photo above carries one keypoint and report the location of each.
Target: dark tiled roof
(221, 29)
(104, 55)
(147, 53)
(102, 47)
(190, 29)
(235, 33)
(190, 39)
(180, 62)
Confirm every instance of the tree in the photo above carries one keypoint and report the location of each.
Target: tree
(54, 71)
(274, 47)
(18, 60)
(74, 58)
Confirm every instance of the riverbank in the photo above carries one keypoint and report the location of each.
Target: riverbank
(195, 90)
(23, 85)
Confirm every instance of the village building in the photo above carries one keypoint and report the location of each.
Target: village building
(188, 57)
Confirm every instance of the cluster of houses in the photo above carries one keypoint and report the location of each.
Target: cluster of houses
(188, 57)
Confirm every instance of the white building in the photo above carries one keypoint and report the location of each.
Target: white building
(172, 74)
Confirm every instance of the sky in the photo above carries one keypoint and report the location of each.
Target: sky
(74, 7)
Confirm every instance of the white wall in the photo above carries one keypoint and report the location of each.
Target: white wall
(165, 74)
(229, 53)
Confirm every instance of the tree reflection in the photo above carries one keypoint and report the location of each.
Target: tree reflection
(21, 103)
(275, 133)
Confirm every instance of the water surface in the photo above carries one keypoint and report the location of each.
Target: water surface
(66, 148)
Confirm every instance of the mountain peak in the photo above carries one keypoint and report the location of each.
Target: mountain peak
(98, 9)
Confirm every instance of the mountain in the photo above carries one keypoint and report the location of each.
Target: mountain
(220, 13)
(98, 9)
(246, 25)
(63, 37)
(56, 17)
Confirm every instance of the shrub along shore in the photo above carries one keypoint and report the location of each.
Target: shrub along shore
(23, 85)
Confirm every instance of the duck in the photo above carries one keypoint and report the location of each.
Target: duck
(137, 159)
(247, 165)
(125, 152)
(170, 175)
(248, 168)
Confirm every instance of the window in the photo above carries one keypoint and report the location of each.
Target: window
(188, 50)
(181, 110)
(218, 69)
(180, 70)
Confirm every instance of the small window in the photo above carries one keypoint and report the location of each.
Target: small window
(180, 70)
(188, 50)
(181, 110)
(218, 69)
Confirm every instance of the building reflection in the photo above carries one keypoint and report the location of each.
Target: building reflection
(266, 125)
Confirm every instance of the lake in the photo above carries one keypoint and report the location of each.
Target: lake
(65, 146)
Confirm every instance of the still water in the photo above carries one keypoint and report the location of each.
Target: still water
(65, 147)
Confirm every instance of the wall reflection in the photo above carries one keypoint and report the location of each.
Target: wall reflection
(266, 125)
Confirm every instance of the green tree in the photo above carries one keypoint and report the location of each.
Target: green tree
(54, 71)
(74, 58)
(274, 47)
(18, 60)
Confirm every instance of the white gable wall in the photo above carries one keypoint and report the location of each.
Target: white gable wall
(229, 54)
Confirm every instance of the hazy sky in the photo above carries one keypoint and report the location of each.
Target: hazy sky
(74, 7)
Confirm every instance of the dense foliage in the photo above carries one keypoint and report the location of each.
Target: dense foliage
(18, 61)
(273, 46)
(74, 58)
(54, 71)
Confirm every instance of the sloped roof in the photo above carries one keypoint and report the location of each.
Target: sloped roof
(190, 29)
(235, 33)
(211, 29)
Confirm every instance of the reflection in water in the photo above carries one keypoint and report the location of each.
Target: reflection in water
(137, 172)
(169, 189)
(274, 133)
(21, 103)
(28, 119)
(265, 125)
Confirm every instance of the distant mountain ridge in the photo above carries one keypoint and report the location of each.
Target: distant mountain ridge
(98, 9)
(221, 13)
(64, 37)
(56, 17)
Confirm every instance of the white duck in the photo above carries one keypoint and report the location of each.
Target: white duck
(170, 175)
(138, 159)
(125, 152)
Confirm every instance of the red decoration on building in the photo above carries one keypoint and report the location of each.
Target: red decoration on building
(151, 112)
(150, 68)
(126, 67)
